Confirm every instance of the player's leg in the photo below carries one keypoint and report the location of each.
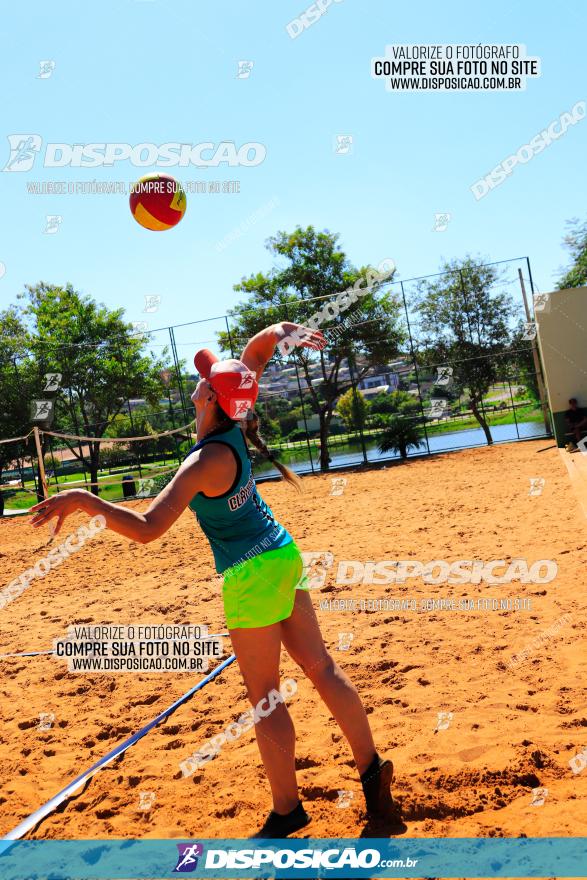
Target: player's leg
(257, 652)
(257, 596)
(303, 641)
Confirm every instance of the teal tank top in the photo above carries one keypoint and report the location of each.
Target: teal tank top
(238, 523)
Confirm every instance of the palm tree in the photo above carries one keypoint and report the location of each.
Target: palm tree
(402, 433)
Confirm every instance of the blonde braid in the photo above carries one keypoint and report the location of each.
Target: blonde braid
(251, 429)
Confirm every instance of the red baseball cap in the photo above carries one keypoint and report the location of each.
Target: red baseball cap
(235, 385)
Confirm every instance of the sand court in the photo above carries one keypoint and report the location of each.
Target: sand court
(481, 704)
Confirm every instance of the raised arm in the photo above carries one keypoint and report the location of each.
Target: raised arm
(260, 348)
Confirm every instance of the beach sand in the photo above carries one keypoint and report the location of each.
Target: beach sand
(513, 729)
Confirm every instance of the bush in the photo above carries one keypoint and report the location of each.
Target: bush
(288, 423)
(383, 403)
(379, 420)
(337, 429)
(160, 482)
(270, 429)
(352, 409)
(297, 435)
(400, 435)
(115, 455)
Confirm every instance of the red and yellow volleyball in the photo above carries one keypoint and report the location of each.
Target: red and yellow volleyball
(157, 201)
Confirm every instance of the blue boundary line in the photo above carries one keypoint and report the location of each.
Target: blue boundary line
(31, 821)
(26, 654)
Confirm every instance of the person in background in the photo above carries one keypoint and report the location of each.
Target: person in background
(576, 423)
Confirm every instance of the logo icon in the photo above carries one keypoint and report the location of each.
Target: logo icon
(151, 303)
(139, 330)
(344, 798)
(246, 380)
(46, 720)
(41, 411)
(239, 409)
(441, 222)
(46, 69)
(542, 302)
(578, 762)
(444, 376)
(315, 565)
(444, 719)
(147, 487)
(244, 69)
(438, 407)
(539, 795)
(52, 381)
(53, 222)
(187, 860)
(344, 640)
(23, 151)
(146, 800)
(338, 484)
(343, 144)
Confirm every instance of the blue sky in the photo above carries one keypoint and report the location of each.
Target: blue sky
(158, 71)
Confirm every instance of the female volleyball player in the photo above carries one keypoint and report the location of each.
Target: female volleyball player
(265, 599)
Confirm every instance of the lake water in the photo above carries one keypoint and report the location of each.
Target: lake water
(351, 453)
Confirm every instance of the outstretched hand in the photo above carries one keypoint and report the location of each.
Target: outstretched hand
(303, 337)
(60, 506)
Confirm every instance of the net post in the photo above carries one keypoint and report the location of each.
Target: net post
(41, 463)
(536, 357)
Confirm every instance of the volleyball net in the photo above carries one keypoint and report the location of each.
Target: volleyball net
(45, 462)
(408, 396)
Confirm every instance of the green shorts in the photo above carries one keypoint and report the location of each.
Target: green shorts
(262, 590)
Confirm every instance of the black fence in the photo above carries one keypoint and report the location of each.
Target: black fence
(408, 382)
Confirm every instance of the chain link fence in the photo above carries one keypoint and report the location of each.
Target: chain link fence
(432, 364)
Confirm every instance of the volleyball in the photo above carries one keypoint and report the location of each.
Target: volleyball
(157, 202)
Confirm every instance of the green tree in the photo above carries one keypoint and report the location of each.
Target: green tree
(400, 402)
(576, 242)
(353, 409)
(519, 364)
(101, 361)
(18, 381)
(466, 323)
(382, 403)
(312, 270)
(402, 433)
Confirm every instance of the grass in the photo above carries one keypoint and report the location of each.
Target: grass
(21, 500)
(528, 413)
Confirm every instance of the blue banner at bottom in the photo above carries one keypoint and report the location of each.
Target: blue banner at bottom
(310, 857)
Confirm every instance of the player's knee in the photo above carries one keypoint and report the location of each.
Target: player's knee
(257, 691)
(322, 669)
